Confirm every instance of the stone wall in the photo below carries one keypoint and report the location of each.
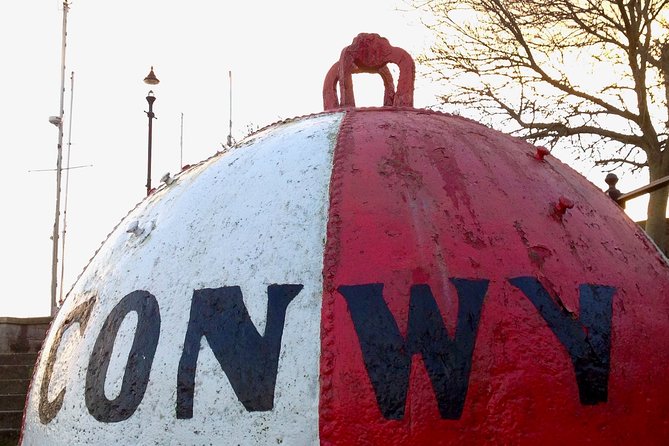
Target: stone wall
(22, 335)
(20, 341)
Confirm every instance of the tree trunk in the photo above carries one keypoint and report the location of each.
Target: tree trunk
(656, 225)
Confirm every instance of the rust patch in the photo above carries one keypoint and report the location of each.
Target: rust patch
(474, 240)
(398, 168)
(538, 255)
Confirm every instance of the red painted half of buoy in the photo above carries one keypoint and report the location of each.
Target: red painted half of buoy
(434, 218)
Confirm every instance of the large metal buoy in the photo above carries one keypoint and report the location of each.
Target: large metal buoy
(364, 276)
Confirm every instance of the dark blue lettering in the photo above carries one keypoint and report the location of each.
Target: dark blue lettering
(140, 359)
(250, 361)
(587, 338)
(388, 356)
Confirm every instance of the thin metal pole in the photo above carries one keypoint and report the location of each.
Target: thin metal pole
(150, 99)
(181, 143)
(67, 188)
(230, 133)
(59, 167)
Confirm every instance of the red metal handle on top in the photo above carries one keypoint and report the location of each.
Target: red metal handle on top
(370, 53)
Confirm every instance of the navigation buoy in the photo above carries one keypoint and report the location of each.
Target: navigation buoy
(364, 276)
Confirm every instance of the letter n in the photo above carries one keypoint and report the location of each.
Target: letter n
(249, 360)
(387, 355)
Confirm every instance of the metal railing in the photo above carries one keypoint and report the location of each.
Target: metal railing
(621, 198)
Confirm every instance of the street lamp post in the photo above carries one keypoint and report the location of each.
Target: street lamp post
(150, 79)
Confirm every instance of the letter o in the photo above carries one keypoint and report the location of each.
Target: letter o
(138, 367)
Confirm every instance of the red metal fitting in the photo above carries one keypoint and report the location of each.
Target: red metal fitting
(541, 153)
(562, 205)
(370, 53)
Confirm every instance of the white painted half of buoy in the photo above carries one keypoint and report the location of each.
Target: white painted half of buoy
(252, 217)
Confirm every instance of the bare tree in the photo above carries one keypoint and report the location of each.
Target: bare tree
(592, 72)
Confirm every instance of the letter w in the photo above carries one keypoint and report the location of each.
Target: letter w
(388, 356)
(250, 361)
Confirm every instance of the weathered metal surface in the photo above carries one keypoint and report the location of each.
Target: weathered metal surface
(468, 301)
(472, 293)
(125, 348)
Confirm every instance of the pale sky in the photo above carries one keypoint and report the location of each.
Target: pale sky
(279, 53)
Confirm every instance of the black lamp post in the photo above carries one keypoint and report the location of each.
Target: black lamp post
(150, 79)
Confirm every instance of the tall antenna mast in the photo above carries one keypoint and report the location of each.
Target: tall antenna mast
(67, 187)
(59, 164)
(230, 133)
